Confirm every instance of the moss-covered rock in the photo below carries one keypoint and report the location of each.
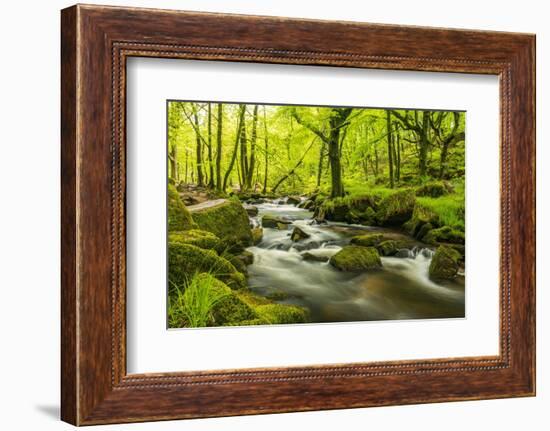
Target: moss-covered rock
(276, 314)
(396, 208)
(179, 217)
(196, 237)
(298, 234)
(357, 209)
(388, 248)
(356, 258)
(445, 263)
(257, 235)
(227, 219)
(185, 260)
(275, 222)
(293, 200)
(367, 240)
(231, 310)
(311, 257)
(241, 261)
(444, 234)
(433, 189)
(421, 216)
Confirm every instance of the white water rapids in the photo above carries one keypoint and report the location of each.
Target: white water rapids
(400, 290)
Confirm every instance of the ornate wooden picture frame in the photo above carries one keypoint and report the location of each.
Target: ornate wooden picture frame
(96, 41)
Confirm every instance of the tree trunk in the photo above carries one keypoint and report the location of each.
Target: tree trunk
(397, 148)
(200, 180)
(337, 188)
(210, 165)
(174, 162)
(424, 144)
(390, 151)
(235, 147)
(265, 153)
(219, 148)
(320, 166)
(186, 164)
(244, 158)
(253, 137)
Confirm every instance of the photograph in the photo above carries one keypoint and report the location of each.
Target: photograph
(284, 214)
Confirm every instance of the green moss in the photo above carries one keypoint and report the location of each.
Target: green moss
(367, 240)
(444, 234)
(350, 209)
(282, 313)
(196, 237)
(433, 189)
(275, 222)
(179, 217)
(449, 210)
(232, 310)
(185, 260)
(228, 220)
(445, 263)
(396, 209)
(355, 258)
(257, 235)
(388, 248)
(421, 216)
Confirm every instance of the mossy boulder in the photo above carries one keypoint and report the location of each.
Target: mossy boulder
(199, 238)
(357, 209)
(396, 208)
(353, 258)
(367, 240)
(311, 257)
(231, 309)
(434, 189)
(241, 261)
(275, 222)
(293, 200)
(421, 216)
(179, 217)
(298, 234)
(227, 219)
(257, 235)
(185, 260)
(388, 248)
(445, 263)
(444, 234)
(275, 314)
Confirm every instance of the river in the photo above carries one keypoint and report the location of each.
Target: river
(400, 290)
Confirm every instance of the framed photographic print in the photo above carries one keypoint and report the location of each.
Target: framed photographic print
(279, 215)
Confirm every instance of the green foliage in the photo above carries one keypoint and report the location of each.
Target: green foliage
(179, 217)
(449, 210)
(354, 258)
(192, 306)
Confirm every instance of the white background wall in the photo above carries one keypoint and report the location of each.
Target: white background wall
(29, 214)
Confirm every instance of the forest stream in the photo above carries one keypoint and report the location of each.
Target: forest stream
(400, 290)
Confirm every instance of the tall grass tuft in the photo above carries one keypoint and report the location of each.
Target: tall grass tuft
(192, 305)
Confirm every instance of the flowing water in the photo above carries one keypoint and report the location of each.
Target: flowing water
(400, 290)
